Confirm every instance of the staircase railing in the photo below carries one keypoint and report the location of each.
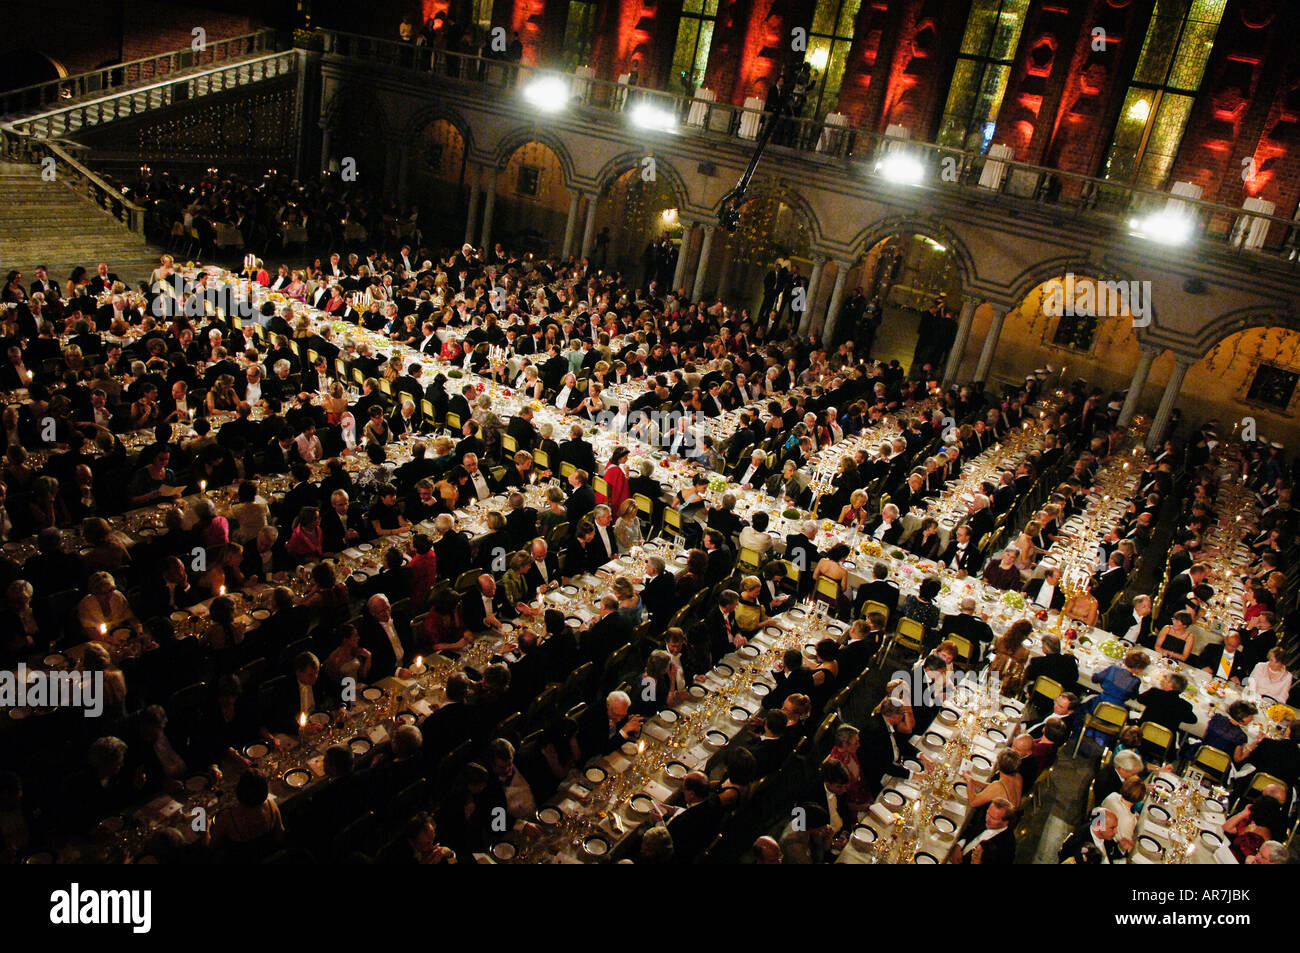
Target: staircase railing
(57, 163)
(63, 120)
(124, 76)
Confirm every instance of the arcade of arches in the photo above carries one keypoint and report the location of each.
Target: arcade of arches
(531, 202)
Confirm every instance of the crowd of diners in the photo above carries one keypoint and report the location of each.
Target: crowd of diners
(99, 382)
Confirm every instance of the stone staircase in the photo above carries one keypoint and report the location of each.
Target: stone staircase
(47, 223)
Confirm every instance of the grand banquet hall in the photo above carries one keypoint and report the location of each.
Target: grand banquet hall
(653, 434)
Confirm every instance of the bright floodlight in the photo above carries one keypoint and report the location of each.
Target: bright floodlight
(652, 117)
(547, 93)
(1168, 227)
(901, 168)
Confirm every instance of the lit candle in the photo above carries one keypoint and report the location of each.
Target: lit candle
(103, 628)
(302, 719)
(203, 486)
(221, 590)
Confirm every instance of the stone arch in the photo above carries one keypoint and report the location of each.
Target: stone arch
(768, 187)
(616, 168)
(1225, 325)
(879, 231)
(352, 104)
(512, 141)
(427, 115)
(359, 129)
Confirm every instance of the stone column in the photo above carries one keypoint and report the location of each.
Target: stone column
(964, 322)
(814, 279)
(683, 252)
(571, 224)
(471, 219)
(490, 187)
(403, 173)
(1147, 356)
(990, 345)
(837, 296)
(702, 268)
(589, 228)
(1167, 400)
(324, 146)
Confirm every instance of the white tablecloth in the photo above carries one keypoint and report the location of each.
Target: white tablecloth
(700, 107)
(834, 133)
(751, 118)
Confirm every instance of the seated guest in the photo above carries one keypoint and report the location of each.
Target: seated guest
(1226, 660)
(755, 535)
(1165, 705)
(1261, 820)
(962, 555)
(1131, 622)
(1270, 678)
(970, 627)
(1124, 804)
(1095, 842)
(1003, 574)
(880, 589)
(1046, 592)
(988, 837)
(883, 748)
(1010, 656)
(1125, 765)
(1227, 732)
(1063, 669)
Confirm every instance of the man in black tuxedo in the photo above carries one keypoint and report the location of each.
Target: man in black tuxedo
(604, 541)
(694, 826)
(607, 633)
(1063, 669)
(452, 723)
(484, 606)
(881, 749)
(751, 471)
(1132, 621)
(802, 551)
(343, 523)
(880, 589)
(1227, 660)
(988, 837)
(304, 694)
(577, 451)
(582, 498)
(980, 519)
(103, 280)
(1046, 591)
(970, 627)
(385, 636)
(605, 728)
(962, 555)
(659, 595)
(459, 404)
(545, 570)
(452, 550)
(1179, 591)
(857, 651)
(523, 430)
(1110, 583)
(1095, 842)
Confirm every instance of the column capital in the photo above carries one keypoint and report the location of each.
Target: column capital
(819, 259)
(1185, 360)
(1151, 351)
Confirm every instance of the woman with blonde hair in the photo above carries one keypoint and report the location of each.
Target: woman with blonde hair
(749, 611)
(855, 514)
